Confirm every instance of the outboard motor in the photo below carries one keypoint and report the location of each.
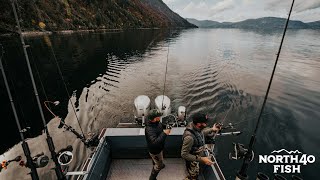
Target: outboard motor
(182, 113)
(142, 106)
(163, 105)
(182, 116)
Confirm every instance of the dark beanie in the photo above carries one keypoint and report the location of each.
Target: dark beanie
(199, 118)
(153, 114)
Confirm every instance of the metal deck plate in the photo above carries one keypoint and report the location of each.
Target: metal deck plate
(140, 169)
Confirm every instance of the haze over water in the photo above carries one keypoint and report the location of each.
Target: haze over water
(209, 70)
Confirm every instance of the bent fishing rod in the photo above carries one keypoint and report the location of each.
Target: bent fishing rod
(26, 150)
(242, 174)
(58, 170)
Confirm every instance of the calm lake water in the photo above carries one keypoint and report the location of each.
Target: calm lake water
(209, 70)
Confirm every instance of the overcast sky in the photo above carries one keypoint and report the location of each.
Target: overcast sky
(237, 10)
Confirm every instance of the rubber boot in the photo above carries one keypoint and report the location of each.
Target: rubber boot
(154, 174)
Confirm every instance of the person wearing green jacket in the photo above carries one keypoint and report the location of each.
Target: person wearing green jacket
(193, 144)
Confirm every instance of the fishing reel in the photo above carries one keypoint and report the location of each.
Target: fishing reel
(239, 152)
(210, 138)
(223, 130)
(5, 163)
(169, 121)
(92, 141)
(40, 160)
(65, 155)
(229, 126)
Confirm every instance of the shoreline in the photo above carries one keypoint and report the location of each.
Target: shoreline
(43, 33)
(61, 32)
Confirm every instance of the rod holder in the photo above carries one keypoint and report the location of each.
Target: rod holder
(262, 176)
(294, 177)
(279, 177)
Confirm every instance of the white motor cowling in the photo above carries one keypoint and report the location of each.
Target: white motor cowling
(181, 113)
(163, 105)
(142, 107)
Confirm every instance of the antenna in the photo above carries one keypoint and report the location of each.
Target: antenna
(57, 169)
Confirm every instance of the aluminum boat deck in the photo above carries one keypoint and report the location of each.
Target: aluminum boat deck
(140, 169)
(122, 154)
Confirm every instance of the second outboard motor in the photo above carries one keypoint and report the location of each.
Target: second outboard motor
(163, 105)
(182, 113)
(182, 116)
(142, 106)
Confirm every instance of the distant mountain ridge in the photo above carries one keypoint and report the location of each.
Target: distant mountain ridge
(89, 14)
(260, 23)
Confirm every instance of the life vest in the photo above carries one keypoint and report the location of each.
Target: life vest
(198, 140)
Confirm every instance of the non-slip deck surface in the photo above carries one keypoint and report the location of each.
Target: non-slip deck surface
(140, 169)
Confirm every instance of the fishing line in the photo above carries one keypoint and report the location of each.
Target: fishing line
(165, 75)
(242, 174)
(226, 114)
(58, 170)
(30, 164)
(43, 89)
(215, 134)
(221, 69)
(38, 74)
(12, 79)
(65, 86)
(248, 119)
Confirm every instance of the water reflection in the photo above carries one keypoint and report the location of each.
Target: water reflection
(210, 70)
(81, 57)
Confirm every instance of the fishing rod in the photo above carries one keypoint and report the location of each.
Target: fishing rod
(165, 75)
(220, 124)
(231, 125)
(91, 141)
(65, 87)
(26, 150)
(209, 146)
(58, 170)
(242, 174)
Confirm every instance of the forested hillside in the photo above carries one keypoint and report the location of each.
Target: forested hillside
(55, 15)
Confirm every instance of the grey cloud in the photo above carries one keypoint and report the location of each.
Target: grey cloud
(222, 6)
(236, 10)
(219, 10)
(307, 5)
(276, 4)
